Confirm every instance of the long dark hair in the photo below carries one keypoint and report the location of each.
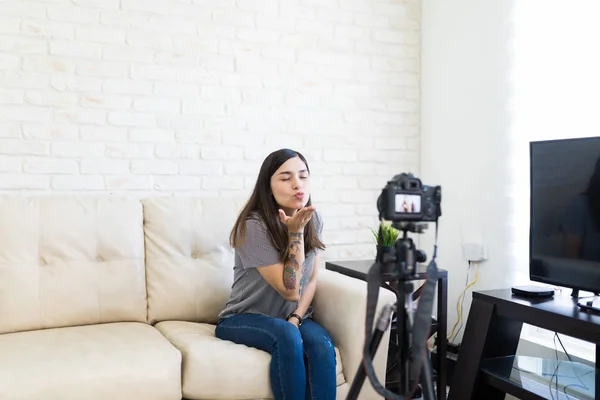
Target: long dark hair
(262, 204)
(593, 194)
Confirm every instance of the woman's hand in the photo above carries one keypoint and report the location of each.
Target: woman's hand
(299, 220)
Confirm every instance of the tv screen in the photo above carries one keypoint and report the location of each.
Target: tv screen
(564, 234)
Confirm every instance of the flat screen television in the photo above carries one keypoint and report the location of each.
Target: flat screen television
(564, 233)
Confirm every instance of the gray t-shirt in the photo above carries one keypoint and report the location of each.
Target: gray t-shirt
(250, 292)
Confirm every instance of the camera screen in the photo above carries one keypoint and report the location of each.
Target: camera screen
(408, 203)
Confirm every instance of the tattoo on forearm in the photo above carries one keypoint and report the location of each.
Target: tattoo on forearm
(292, 265)
(295, 241)
(289, 272)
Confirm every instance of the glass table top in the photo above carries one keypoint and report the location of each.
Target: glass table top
(548, 378)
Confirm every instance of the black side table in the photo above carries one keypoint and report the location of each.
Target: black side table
(359, 268)
(488, 361)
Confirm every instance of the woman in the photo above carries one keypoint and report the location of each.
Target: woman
(277, 238)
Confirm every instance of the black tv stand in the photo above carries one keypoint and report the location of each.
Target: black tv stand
(589, 304)
(575, 293)
(487, 361)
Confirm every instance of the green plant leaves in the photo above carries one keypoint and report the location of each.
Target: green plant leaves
(389, 235)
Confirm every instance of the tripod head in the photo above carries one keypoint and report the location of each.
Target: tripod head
(400, 262)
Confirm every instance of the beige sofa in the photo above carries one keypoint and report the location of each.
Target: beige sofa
(116, 298)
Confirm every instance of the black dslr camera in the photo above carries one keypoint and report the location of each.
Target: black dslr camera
(406, 199)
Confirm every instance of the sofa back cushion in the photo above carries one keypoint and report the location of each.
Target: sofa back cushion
(189, 262)
(67, 261)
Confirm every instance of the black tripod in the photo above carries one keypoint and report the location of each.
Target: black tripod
(400, 264)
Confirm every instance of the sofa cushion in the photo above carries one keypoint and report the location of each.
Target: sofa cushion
(97, 362)
(68, 261)
(219, 369)
(189, 263)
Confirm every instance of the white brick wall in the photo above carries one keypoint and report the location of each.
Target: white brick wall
(186, 97)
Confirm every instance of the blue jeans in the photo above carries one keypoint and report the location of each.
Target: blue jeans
(302, 359)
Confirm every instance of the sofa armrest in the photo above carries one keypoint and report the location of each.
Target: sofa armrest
(340, 305)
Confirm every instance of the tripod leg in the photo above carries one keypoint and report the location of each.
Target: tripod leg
(404, 363)
(361, 374)
(380, 327)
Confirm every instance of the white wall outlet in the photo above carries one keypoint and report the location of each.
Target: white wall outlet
(474, 251)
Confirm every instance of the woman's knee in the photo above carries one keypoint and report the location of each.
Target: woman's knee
(288, 334)
(320, 348)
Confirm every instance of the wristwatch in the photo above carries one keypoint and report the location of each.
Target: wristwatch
(299, 318)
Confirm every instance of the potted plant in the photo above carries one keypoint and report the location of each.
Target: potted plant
(389, 235)
(387, 244)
